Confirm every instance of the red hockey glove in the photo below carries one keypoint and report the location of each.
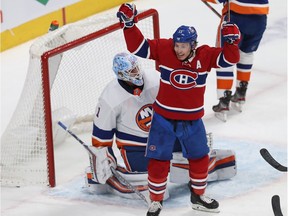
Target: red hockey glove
(230, 33)
(127, 15)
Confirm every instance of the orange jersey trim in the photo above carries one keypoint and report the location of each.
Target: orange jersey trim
(97, 143)
(246, 9)
(121, 144)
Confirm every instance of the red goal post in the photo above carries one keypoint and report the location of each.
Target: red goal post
(68, 70)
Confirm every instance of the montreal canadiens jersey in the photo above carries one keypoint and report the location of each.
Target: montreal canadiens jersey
(125, 116)
(182, 84)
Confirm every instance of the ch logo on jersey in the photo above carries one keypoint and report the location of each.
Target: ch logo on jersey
(144, 117)
(183, 79)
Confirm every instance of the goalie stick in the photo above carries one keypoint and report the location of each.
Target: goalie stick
(115, 173)
(268, 157)
(276, 205)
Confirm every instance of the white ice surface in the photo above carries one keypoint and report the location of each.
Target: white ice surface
(263, 123)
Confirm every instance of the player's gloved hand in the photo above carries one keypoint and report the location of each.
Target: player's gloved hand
(127, 15)
(231, 33)
(101, 162)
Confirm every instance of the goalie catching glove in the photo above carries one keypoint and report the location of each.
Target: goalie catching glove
(230, 33)
(127, 15)
(101, 162)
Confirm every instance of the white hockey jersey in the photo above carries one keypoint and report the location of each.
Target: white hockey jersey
(125, 115)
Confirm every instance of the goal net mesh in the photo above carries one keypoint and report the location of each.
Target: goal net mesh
(78, 70)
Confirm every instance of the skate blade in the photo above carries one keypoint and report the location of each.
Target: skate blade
(204, 209)
(237, 105)
(221, 115)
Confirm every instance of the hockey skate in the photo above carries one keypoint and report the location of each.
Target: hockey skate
(203, 203)
(222, 108)
(154, 208)
(238, 99)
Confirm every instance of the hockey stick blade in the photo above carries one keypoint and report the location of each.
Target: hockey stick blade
(117, 175)
(269, 159)
(276, 205)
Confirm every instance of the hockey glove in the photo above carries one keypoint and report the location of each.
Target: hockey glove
(230, 33)
(101, 164)
(127, 15)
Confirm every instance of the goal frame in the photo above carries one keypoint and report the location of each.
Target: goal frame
(46, 82)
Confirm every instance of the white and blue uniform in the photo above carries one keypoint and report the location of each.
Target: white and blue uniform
(128, 117)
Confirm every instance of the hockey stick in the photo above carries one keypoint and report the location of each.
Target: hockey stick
(228, 10)
(268, 157)
(276, 205)
(211, 8)
(115, 173)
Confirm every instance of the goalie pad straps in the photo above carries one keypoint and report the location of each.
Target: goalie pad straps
(100, 164)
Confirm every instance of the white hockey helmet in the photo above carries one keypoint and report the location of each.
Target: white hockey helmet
(126, 68)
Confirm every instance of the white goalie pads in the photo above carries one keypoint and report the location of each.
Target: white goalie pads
(117, 187)
(222, 166)
(101, 162)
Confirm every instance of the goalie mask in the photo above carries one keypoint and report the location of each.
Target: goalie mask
(126, 68)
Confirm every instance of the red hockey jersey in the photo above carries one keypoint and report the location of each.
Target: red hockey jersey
(182, 84)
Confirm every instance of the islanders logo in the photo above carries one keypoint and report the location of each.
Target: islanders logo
(183, 79)
(144, 117)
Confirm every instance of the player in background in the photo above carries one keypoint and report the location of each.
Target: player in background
(179, 104)
(251, 18)
(53, 26)
(123, 116)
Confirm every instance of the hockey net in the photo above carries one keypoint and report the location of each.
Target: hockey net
(68, 69)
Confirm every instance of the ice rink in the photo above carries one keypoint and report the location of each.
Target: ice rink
(263, 123)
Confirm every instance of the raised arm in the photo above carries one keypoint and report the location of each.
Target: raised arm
(231, 35)
(135, 41)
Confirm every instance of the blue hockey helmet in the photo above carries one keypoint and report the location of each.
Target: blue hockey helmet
(126, 68)
(186, 34)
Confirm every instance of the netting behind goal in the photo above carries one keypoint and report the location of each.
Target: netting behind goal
(68, 70)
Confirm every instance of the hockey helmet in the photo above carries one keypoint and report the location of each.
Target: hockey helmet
(186, 34)
(126, 68)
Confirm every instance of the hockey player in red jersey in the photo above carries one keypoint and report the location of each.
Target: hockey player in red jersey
(251, 18)
(179, 105)
(123, 116)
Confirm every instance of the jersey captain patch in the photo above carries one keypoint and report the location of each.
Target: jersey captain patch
(183, 79)
(144, 117)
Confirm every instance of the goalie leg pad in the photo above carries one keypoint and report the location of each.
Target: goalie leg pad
(116, 187)
(222, 165)
(92, 185)
(179, 169)
(138, 180)
(223, 162)
(120, 189)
